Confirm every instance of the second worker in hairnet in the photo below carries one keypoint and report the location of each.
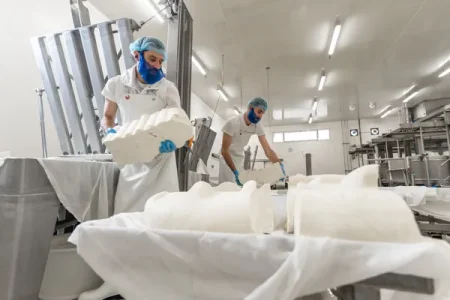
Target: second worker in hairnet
(236, 135)
(142, 89)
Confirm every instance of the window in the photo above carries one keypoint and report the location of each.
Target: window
(277, 114)
(323, 134)
(278, 137)
(300, 136)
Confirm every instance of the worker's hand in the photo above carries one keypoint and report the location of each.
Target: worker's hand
(110, 131)
(167, 146)
(236, 177)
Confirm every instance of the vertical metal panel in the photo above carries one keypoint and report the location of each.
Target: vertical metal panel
(126, 38)
(51, 89)
(308, 164)
(80, 74)
(109, 49)
(179, 64)
(94, 66)
(110, 54)
(68, 96)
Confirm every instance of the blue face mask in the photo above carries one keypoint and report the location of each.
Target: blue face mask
(150, 74)
(252, 117)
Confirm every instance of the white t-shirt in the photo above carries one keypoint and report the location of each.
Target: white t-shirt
(241, 133)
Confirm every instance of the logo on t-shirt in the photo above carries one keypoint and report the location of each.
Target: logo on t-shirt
(127, 97)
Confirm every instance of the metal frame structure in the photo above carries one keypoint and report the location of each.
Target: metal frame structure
(410, 142)
(179, 67)
(71, 70)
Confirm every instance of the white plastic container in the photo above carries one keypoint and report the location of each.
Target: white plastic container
(66, 274)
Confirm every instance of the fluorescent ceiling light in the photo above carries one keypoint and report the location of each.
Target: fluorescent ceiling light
(310, 119)
(386, 108)
(322, 80)
(410, 96)
(409, 89)
(237, 111)
(198, 65)
(444, 73)
(334, 39)
(221, 93)
(314, 108)
(156, 9)
(386, 113)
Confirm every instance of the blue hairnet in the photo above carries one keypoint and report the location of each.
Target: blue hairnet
(148, 44)
(258, 102)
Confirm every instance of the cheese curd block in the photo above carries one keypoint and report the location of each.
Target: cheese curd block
(270, 174)
(361, 214)
(365, 176)
(139, 140)
(205, 208)
(327, 179)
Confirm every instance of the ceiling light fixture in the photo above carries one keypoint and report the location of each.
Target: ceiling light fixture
(310, 119)
(221, 93)
(237, 111)
(409, 89)
(410, 97)
(445, 72)
(156, 7)
(334, 39)
(199, 66)
(314, 108)
(387, 113)
(386, 108)
(322, 80)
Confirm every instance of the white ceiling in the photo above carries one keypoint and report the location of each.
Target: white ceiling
(385, 46)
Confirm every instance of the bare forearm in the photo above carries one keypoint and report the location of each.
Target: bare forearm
(227, 156)
(272, 156)
(108, 122)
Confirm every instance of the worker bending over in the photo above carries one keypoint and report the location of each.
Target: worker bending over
(142, 89)
(236, 135)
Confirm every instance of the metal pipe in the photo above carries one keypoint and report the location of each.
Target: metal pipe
(422, 146)
(383, 159)
(42, 122)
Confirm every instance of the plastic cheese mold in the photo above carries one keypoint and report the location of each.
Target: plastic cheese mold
(269, 175)
(139, 140)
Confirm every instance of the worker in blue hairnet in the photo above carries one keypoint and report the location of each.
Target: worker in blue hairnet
(142, 89)
(236, 135)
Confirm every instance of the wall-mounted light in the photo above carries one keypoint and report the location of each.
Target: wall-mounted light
(221, 93)
(198, 64)
(352, 107)
(372, 105)
(310, 119)
(410, 96)
(323, 76)
(445, 72)
(237, 111)
(314, 107)
(335, 37)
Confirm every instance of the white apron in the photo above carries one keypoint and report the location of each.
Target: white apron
(139, 181)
